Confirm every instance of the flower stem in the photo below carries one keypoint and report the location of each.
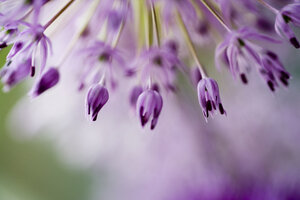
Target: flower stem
(190, 43)
(59, 13)
(116, 41)
(155, 23)
(148, 29)
(265, 4)
(215, 14)
(74, 40)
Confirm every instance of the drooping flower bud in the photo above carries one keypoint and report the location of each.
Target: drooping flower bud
(149, 104)
(48, 80)
(288, 14)
(209, 97)
(96, 98)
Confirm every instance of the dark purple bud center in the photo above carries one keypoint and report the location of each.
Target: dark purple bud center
(244, 78)
(295, 42)
(48, 80)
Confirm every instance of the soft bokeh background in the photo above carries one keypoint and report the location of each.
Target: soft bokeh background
(48, 150)
(31, 170)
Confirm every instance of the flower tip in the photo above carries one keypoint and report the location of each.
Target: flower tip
(221, 109)
(244, 78)
(3, 45)
(149, 105)
(47, 81)
(295, 42)
(153, 123)
(32, 72)
(96, 98)
(271, 86)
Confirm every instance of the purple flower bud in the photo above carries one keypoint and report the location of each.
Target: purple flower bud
(209, 97)
(135, 93)
(273, 71)
(48, 80)
(14, 72)
(96, 98)
(288, 14)
(149, 104)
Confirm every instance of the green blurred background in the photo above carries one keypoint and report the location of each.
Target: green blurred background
(32, 170)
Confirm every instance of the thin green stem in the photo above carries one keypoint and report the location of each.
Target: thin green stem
(190, 43)
(215, 14)
(148, 28)
(265, 4)
(58, 14)
(155, 23)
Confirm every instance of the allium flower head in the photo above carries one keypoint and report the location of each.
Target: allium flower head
(149, 42)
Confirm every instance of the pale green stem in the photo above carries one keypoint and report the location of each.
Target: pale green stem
(155, 23)
(59, 13)
(190, 43)
(265, 4)
(215, 14)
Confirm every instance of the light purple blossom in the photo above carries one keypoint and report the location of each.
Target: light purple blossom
(108, 42)
(30, 43)
(101, 60)
(16, 10)
(7, 35)
(48, 80)
(239, 52)
(149, 106)
(209, 97)
(96, 98)
(288, 14)
(273, 71)
(14, 72)
(159, 62)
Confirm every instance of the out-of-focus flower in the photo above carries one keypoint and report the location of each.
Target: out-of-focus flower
(288, 14)
(139, 46)
(273, 71)
(240, 54)
(15, 72)
(150, 42)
